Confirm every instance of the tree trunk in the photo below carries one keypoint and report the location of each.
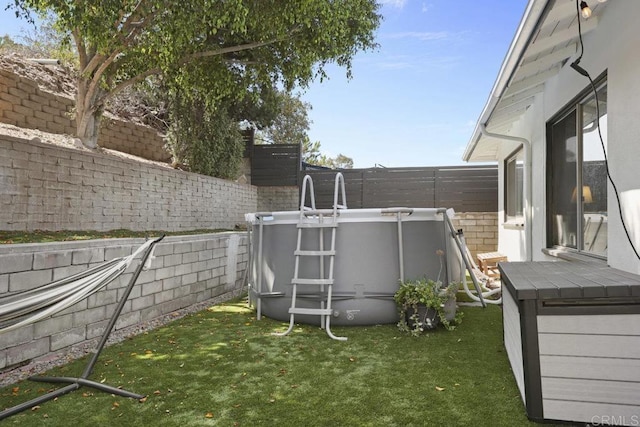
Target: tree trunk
(88, 114)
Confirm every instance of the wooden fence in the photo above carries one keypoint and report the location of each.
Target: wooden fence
(463, 188)
(275, 164)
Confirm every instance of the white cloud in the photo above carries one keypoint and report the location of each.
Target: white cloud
(394, 3)
(424, 36)
(426, 7)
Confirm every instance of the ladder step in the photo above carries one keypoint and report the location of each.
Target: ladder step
(296, 281)
(317, 225)
(313, 311)
(314, 253)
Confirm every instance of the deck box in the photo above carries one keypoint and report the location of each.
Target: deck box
(572, 336)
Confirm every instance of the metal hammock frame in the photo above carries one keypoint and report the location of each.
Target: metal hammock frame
(31, 306)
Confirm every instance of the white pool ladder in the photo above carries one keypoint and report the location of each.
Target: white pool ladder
(320, 219)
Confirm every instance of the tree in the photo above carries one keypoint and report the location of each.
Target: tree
(228, 45)
(204, 138)
(291, 126)
(291, 122)
(339, 162)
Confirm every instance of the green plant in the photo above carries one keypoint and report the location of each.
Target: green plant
(439, 301)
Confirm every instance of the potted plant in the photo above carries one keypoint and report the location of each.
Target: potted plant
(424, 304)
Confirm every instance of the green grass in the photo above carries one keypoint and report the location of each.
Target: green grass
(40, 236)
(223, 367)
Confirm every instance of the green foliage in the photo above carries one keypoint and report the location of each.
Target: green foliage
(204, 139)
(291, 122)
(311, 151)
(229, 47)
(339, 162)
(433, 295)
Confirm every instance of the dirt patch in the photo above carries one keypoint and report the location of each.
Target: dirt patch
(69, 141)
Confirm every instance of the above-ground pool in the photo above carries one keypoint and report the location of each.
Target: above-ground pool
(374, 250)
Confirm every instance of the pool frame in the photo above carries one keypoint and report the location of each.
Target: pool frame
(405, 253)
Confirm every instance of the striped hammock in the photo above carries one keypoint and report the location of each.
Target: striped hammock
(30, 306)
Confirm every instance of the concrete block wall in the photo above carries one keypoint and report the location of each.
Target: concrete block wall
(185, 270)
(480, 230)
(46, 187)
(132, 138)
(278, 199)
(24, 104)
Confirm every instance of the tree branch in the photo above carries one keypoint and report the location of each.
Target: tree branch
(80, 46)
(238, 48)
(188, 58)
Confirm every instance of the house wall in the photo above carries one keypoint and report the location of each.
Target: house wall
(612, 46)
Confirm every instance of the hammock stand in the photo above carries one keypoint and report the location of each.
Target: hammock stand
(83, 380)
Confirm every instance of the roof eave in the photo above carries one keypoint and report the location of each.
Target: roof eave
(529, 23)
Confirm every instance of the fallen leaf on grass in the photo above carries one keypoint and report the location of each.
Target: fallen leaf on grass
(439, 388)
(157, 392)
(35, 408)
(115, 405)
(144, 399)
(208, 415)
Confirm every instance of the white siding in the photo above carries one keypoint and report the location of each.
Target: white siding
(590, 367)
(513, 340)
(596, 413)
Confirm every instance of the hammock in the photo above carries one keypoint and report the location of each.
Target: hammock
(31, 306)
(27, 307)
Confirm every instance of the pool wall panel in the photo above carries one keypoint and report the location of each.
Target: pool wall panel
(366, 270)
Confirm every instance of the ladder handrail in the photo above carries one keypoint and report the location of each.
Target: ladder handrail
(307, 180)
(339, 184)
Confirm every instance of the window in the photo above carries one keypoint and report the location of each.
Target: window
(577, 179)
(514, 186)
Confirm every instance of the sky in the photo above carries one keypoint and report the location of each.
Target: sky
(415, 100)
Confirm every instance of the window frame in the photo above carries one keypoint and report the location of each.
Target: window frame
(514, 216)
(575, 107)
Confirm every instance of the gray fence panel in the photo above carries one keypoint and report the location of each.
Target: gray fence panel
(463, 188)
(275, 164)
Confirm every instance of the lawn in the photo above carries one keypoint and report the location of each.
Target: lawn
(43, 236)
(223, 367)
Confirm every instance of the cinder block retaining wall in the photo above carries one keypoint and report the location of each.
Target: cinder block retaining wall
(186, 270)
(480, 230)
(24, 104)
(273, 199)
(46, 187)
